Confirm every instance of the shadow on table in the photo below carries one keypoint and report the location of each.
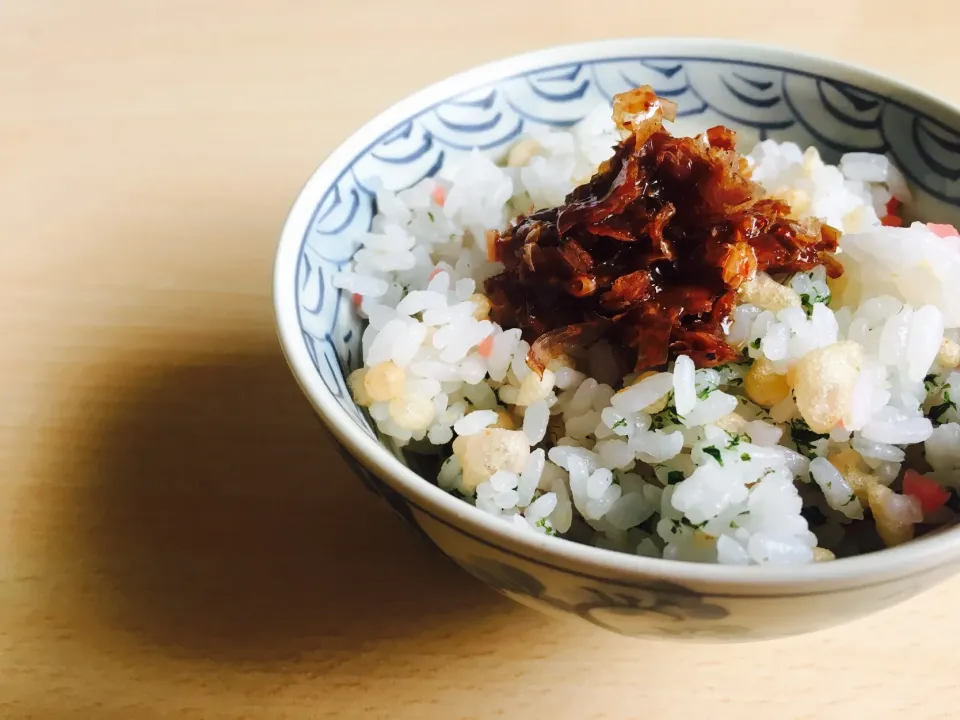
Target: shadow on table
(221, 524)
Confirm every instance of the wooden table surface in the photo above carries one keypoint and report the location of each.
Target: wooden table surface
(177, 539)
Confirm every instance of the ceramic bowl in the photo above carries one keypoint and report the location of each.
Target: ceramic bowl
(760, 92)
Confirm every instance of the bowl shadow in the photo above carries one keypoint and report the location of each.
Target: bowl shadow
(222, 524)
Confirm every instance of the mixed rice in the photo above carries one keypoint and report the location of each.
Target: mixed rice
(833, 432)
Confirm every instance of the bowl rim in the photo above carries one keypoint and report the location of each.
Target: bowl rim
(914, 558)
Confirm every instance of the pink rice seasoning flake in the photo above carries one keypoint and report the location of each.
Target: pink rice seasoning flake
(891, 219)
(929, 492)
(439, 195)
(486, 346)
(942, 230)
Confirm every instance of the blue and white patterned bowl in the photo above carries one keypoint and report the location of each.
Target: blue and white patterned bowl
(760, 92)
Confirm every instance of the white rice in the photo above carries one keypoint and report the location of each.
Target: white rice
(682, 464)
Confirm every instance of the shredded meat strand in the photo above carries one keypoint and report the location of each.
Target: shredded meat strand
(648, 253)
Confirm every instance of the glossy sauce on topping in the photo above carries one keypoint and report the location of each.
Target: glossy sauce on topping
(650, 251)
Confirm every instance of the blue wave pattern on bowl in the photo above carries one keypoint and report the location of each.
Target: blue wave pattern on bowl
(759, 101)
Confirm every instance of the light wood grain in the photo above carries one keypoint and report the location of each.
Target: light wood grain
(171, 539)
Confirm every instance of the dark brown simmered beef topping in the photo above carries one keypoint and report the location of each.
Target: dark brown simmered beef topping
(649, 253)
